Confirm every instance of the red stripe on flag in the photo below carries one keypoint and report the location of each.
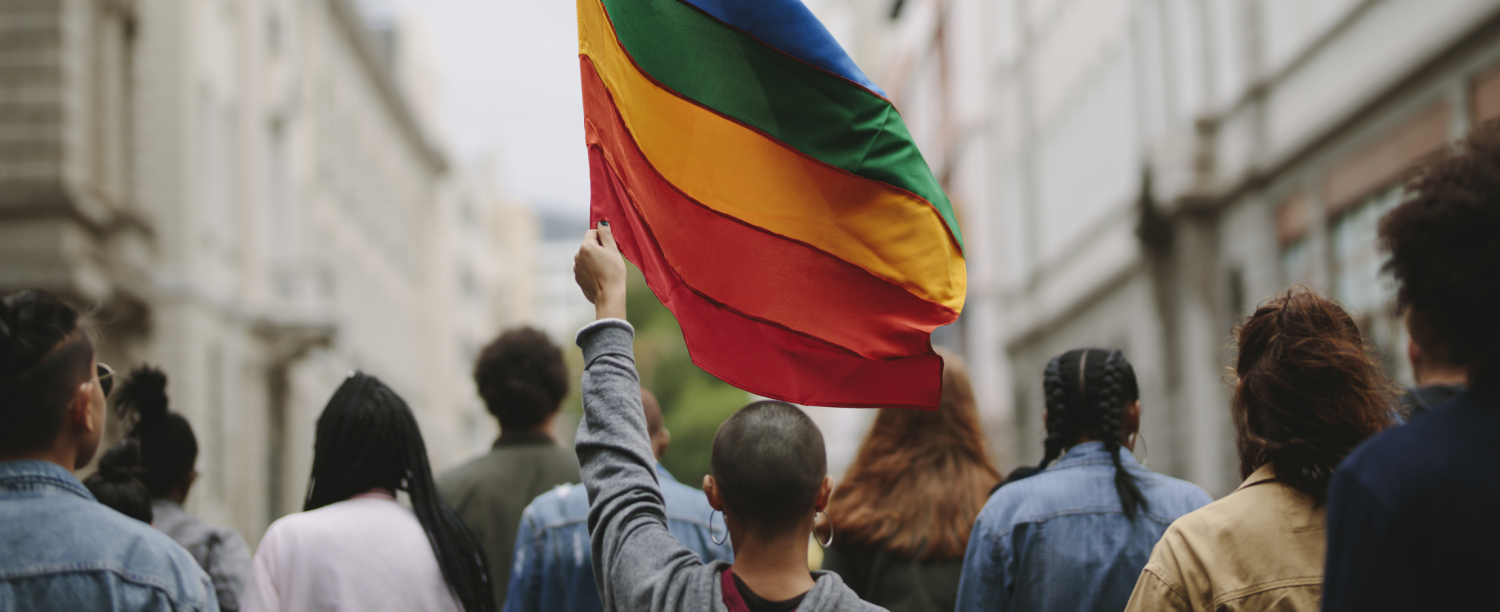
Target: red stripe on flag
(760, 358)
(755, 272)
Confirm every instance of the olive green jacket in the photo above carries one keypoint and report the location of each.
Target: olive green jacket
(491, 492)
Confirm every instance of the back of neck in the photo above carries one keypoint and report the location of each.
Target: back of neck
(776, 569)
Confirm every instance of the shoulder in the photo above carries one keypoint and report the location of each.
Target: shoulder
(146, 555)
(1170, 496)
(466, 475)
(1254, 511)
(563, 504)
(685, 502)
(1043, 496)
(1451, 438)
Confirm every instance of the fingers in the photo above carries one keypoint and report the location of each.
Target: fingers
(590, 237)
(607, 236)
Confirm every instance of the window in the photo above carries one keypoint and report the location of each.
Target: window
(1358, 281)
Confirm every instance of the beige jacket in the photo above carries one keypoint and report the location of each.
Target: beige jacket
(1259, 548)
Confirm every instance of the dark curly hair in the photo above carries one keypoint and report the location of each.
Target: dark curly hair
(1444, 245)
(1309, 390)
(522, 378)
(45, 353)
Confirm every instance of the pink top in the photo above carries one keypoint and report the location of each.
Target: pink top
(364, 553)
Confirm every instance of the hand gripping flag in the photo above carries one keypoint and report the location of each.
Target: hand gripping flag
(773, 198)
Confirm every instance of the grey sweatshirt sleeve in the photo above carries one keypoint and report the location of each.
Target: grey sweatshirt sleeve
(638, 565)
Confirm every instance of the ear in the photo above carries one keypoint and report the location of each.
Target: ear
(80, 409)
(711, 490)
(660, 442)
(824, 492)
(1130, 421)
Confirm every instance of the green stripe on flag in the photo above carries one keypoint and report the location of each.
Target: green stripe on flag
(820, 114)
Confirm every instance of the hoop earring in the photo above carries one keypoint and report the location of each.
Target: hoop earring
(830, 529)
(1146, 449)
(718, 541)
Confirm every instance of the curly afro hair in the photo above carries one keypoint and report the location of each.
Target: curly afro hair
(1444, 245)
(522, 378)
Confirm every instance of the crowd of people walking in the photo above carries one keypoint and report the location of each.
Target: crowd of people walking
(1354, 497)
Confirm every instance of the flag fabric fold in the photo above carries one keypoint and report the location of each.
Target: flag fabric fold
(772, 197)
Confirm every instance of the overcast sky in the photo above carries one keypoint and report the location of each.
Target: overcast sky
(509, 74)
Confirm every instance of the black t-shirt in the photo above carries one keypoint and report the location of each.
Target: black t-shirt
(757, 603)
(1414, 514)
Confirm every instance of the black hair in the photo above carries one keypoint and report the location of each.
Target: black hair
(768, 460)
(1087, 391)
(168, 447)
(1444, 245)
(116, 485)
(522, 377)
(367, 438)
(44, 356)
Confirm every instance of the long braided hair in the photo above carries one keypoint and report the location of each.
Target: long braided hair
(1087, 392)
(367, 438)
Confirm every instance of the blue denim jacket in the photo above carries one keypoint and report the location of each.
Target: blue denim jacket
(553, 563)
(63, 550)
(1059, 540)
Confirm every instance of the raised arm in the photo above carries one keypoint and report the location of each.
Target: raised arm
(638, 565)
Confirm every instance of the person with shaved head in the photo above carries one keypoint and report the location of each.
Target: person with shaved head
(554, 569)
(769, 478)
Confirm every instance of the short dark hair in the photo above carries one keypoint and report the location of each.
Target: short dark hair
(115, 484)
(1310, 390)
(1444, 245)
(522, 378)
(44, 356)
(768, 461)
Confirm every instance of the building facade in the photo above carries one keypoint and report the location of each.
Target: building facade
(1140, 174)
(252, 195)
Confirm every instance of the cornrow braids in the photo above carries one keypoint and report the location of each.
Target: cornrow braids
(1058, 434)
(1087, 395)
(367, 438)
(1111, 405)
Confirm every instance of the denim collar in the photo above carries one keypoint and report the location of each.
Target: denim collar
(662, 473)
(32, 474)
(1090, 453)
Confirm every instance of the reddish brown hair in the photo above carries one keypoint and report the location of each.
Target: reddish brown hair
(1308, 391)
(920, 478)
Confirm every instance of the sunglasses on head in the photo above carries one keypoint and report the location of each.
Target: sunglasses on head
(106, 378)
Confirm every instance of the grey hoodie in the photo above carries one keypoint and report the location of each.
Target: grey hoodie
(638, 565)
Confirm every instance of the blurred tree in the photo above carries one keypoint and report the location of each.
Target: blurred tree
(694, 402)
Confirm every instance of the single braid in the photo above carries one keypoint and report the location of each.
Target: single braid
(1111, 405)
(1057, 413)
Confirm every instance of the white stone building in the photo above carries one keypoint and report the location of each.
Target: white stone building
(1138, 174)
(253, 193)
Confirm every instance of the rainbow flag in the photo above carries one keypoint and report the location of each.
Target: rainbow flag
(773, 198)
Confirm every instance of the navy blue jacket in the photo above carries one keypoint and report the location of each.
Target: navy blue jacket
(1414, 515)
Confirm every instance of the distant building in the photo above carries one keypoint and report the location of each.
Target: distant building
(1138, 174)
(256, 200)
(563, 309)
